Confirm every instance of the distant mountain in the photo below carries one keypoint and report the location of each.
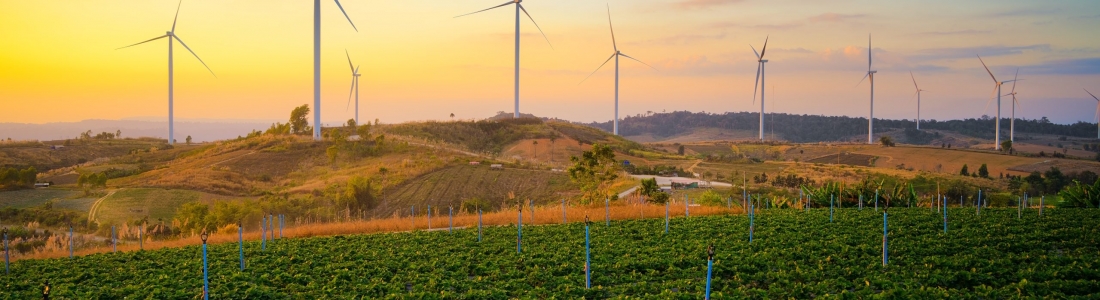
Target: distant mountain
(809, 129)
(204, 131)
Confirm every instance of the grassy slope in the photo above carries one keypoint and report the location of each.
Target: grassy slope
(62, 198)
(137, 203)
(450, 186)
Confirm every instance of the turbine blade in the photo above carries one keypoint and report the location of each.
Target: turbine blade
(350, 65)
(146, 41)
(356, 72)
(196, 55)
(536, 25)
(864, 78)
(635, 59)
(987, 69)
(494, 7)
(756, 85)
(177, 15)
(598, 69)
(613, 43)
(1093, 96)
(350, 92)
(1017, 102)
(346, 15)
(914, 80)
(754, 52)
(765, 49)
(991, 95)
(868, 52)
(1014, 79)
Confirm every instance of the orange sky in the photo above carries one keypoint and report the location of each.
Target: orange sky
(59, 63)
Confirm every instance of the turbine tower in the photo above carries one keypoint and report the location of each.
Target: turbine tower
(996, 91)
(1097, 113)
(615, 55)
(759, 85)
(317, 63)
(354, 87)
(519, 7)
(918, 97)
(171, 34)
(870, 75)
(1015, 103)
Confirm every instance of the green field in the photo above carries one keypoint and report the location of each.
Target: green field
(132, 204)
(794, 254)
(66, 199)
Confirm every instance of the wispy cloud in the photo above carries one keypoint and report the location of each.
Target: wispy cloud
(834, 18)
(815, 19)
(955, 32)
(1076, 66)
(1023, 12)
(969, 52)
(702, 4)
(681, 39)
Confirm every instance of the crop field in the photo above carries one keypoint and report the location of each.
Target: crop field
(793, 254)
(37, 197)
(133, 204)
(450, 186)
(845, 159)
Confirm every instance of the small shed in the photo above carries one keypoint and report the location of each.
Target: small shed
(496, 167)
(475, 163)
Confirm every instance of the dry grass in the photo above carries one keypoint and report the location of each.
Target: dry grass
(552, 214)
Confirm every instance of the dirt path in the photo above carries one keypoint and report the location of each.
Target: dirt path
(692, 167)
(95, 206)
(228, 160)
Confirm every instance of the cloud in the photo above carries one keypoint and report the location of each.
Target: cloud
(834, 18)
(699, 4)
(1023, 12)
(681, 39)
(1075, 66)
(956, 32)
(970, 52)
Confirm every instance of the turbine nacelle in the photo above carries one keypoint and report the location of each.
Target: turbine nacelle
(169, 33)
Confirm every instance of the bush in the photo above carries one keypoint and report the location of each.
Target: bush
(658, 198)
(473, 204)
(711, 198)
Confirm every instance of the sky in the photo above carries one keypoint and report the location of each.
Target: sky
(59, 62)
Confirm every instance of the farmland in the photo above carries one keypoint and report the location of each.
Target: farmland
(794, 254)
(450, 186)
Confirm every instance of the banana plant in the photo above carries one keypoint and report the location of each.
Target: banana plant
(1080, 195)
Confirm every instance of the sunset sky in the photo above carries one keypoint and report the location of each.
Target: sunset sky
(58, 61)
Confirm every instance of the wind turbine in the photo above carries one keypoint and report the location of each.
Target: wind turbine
(759, 85)
(1015, 103)
(615, 55)
(317, 63)
(918, 97)
(354, 86)
(996, 91)
(1097, 113)
(519, 7)
(171, 34)
(870, 75)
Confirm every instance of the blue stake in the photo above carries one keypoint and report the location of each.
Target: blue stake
(587, 257)
(240, 243)
(114, 240)
(861, 202)
(876, 200)
(978, 206)
(263, 235)
(429, 217)
(666, 216)
(607, 211)
(519, 232)
(70, 241)
(282, 225)
(830, 208)
(1041, 199)
(141, 238)
(1019, 208)
(205, 269)
(687, 209)
(752, 220)
(885, 241)
(479, 225)
(7, 269)
(945, 214)
(451, 216)
(710, 266)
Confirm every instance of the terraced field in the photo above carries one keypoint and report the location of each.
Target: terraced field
(450, 186)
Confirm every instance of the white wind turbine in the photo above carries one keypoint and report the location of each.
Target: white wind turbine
(996, 91)
(759, 85)
(870, 75)
(317, 63)
(1015, 103)
(171, 34)
(354, 86)
(1097, 113)
(615, 55)
(918, 97)
(519, 7)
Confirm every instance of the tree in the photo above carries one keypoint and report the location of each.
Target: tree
(298, 122)
(332, 151)
(452, 117)
(1006, 146)
(964, 171)
(886, 141)
(593, 171)
(983, 171)
(649, 187)
(351, 123)
(118, 134)
(680, 150)
(535, 149)
(188, 140)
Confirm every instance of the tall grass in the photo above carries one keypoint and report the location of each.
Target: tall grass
(545, 215)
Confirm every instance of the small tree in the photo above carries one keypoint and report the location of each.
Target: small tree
(964, 171)
(118, 134)
(1006, 146)
(298, 122)
(452, 117)
(983, 171)
(680, 150)
(886, 141)
(351, 123)
(188, 140)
